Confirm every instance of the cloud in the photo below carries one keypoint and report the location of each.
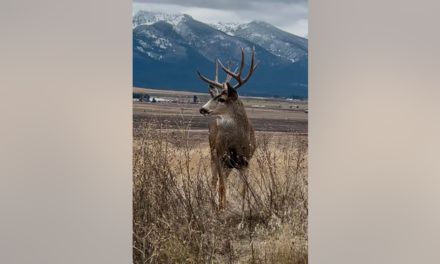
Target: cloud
(291, 16)
(224, 4)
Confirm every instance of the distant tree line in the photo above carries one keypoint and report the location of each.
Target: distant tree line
(142, 97)
(299, 97)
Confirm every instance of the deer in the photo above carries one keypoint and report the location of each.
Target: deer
(231, 135)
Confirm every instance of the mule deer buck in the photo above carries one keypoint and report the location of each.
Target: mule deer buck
(231, 135)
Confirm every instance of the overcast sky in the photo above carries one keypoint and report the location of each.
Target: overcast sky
(288, 15)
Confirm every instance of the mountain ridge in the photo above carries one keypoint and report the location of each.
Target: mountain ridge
(177, 44)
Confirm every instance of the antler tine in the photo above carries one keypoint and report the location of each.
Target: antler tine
(216, 71)
(251, 71)
(228, 76)
(242, 62)
(214, 83)
(238, 75)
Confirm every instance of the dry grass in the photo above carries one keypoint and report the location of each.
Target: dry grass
(173, 220)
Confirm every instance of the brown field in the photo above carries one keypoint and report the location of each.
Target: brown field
(276, 116)
(174, 220)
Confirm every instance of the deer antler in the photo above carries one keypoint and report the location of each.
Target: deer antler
(238, 75)
(216, 83)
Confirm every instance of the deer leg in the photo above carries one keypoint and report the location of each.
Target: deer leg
(243, 196)
(222, 192)
(223, 177)
(214, 179)
(221, 182)
(243, 176)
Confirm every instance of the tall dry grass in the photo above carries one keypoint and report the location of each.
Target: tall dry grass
(173, 220)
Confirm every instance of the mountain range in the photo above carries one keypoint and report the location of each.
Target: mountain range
(168, 48)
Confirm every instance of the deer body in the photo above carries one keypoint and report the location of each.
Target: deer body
(231, 135)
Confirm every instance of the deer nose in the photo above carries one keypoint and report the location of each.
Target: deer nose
(203, 111)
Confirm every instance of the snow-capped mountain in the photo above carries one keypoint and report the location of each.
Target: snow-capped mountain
(209, 42)
(178, 44)
(214, 44)
(273, 39)
(149, 18)
(228, 28)
(159, 41)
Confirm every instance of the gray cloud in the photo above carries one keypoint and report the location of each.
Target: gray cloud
(236, 5)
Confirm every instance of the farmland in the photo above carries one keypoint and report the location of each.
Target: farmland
(276, 115)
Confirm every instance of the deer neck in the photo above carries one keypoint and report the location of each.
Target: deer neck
(235, 117)
(225, 121)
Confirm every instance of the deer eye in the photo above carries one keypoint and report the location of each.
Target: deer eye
(221, 100)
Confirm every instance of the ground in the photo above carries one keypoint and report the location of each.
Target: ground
(276, 116)
(173, 216)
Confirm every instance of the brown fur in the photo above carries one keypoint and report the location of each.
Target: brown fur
(239, 137)
(231, 135)
(231, 139)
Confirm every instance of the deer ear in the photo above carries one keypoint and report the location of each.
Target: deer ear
(213, 91)
(232, 93)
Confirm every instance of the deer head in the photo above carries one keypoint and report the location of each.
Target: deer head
(223, 95)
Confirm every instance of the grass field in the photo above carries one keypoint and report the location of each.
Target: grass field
(174, 220)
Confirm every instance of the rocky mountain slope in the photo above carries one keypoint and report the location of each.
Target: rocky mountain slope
(167, 50)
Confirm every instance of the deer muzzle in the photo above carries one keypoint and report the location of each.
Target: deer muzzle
(203, 111)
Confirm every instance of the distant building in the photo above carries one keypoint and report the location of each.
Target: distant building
(159, 99)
